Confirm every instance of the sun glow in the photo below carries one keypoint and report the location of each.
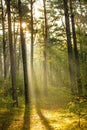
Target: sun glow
(23, 25)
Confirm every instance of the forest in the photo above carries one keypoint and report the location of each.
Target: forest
(43, 64)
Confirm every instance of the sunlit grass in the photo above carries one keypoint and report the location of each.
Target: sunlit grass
(45, 112)
(62, 120)
(57, 119)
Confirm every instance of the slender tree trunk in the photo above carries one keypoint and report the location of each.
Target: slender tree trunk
(69, 47)
(15, 40)
(24, 58)
(4, 42)
(12, 60)
(1, 70)
(45, 48)
(19, 58)
(32, 42)
(14, 37)
(78, 74)
(51, 73)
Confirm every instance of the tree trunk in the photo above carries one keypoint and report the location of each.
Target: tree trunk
(1, 70)
(15, 32)
(69, 47)
(24, 58)
(32, 42)
(4, 42)
(44, 51)
(12, 60)
(78, 74)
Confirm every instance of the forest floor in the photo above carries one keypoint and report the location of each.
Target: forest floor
(40, 119)
(44, 113)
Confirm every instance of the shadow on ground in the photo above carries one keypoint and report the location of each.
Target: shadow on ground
(6, 119)
(44, 119)
(26, 123)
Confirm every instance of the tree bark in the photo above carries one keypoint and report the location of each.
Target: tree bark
(44, 51)
(24, 58)
(4, 42)
(12, 60)
(1, 70)
(69, 47)
(77, 65)
(32, 43)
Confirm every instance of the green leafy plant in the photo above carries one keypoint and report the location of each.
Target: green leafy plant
(77, 106)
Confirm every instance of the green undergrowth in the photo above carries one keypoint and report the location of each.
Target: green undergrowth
(54, 110)
(54, 98)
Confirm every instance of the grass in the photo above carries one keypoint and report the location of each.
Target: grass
(40, 119)
(44, 113)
